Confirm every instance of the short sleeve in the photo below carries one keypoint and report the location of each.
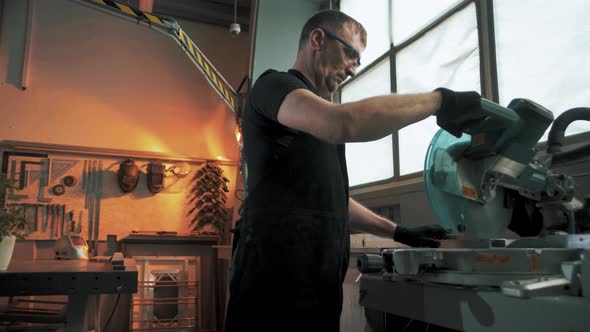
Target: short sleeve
(270, 90)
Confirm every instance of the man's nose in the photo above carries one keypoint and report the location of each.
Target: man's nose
(351, 71)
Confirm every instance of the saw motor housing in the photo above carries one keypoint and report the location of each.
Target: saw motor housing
(471, 181)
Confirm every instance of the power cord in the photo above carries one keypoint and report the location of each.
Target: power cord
(407, 325)
(112, 312)
(410, 322)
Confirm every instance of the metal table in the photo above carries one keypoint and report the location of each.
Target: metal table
(74, 278)
(473, 309)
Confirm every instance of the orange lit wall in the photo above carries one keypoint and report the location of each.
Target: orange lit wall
(99, 81)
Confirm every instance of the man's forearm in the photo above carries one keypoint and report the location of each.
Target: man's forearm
(363, 220)
(376, 117)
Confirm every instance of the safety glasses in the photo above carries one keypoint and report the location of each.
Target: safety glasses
(350, 51)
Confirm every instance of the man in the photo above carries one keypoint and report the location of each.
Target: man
(293, 247)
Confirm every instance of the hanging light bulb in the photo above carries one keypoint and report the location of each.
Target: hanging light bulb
(234, 28)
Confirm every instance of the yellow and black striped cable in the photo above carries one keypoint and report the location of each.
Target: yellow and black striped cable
(132, 11)
(171, 27)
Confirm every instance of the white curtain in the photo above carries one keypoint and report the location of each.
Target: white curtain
(374, 16)
(542, 50)
(370, 161)
(448, 56)
(409, 16)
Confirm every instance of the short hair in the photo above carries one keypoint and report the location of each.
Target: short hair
(332, 20)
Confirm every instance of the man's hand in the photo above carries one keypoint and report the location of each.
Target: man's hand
(458, 110)
(420, 236)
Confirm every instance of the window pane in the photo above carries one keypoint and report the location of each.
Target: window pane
(375, 19)
(409, 16)
(447, 56)
(542, 50)
(370, 161)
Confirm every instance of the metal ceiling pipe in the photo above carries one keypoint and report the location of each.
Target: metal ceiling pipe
(27, 47)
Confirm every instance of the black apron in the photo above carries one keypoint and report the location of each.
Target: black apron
(292, 246)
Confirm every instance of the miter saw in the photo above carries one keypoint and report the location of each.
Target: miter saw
(516, 222)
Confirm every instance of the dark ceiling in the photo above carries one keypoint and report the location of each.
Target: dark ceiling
(215, 12)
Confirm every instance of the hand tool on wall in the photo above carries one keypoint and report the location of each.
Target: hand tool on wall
(26, 211)
(38, 217)
(58, 231)
(128, 175)
(24, 177)
(79, 228)
(89, 176)
(84, 174)
(32, 216)
(56, 220)
(97, 195)
(50, 220)
(62, 214)
(98, 200)
(155, 177)
(198, 174)
(200, 217)
(181, 170)
(209, 198)
(91, 189)
(64, 219)
(71, 226)
(70, 181)
(44, 218)
(196, 192)
(94, 204)
(44, 179)
(55, 223)
(59, 167)
(48, 228)
(58, 189)
(12, 177)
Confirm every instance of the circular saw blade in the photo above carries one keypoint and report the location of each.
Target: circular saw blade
(453, 199)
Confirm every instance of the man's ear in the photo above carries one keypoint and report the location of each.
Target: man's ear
(316, 38)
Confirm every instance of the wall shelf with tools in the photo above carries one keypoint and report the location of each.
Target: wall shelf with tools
(94, 192)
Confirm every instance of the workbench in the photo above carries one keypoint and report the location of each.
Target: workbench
(471, 308)
(75, 278)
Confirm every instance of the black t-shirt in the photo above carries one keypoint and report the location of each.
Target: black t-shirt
(267, 142)
(295, 221)
(260, 125)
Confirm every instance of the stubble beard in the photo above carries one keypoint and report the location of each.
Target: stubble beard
(324, 83)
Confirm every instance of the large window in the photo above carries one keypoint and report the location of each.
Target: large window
(534, 49)
(375, 19)
(446, 56)
(376, 155)
(543, 49)
(410, 16)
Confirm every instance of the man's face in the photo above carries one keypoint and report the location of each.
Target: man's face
(339, 58)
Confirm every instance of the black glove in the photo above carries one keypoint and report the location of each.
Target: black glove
(420, 236)
(458, 110)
